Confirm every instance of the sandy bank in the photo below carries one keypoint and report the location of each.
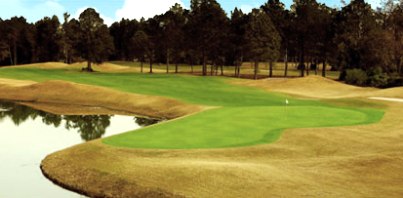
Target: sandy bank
(63, 95)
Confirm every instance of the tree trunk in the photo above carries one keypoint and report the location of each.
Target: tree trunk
(151, 65)
(256, 68)
(302, 69)
(211, 69)
(204, 64)
(239, 66)
(15, 53)
(324, 68)
(11, 56)
(191, 67)
(271, 69)
(222, 70)
(89, 66)
(286, 63)
(239, 71)
(302, 57)
(167, 61)
(399, 66)
(141, 66)
(176, 67)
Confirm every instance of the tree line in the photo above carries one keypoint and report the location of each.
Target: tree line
(366, 45)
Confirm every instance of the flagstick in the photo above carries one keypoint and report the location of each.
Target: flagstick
(286, 104)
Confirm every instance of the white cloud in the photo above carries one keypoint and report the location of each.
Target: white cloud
(107, 20)
(136, 9)
(375, 3)
(32, 13)
(246, 8)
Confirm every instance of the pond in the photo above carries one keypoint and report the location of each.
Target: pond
(29, 135)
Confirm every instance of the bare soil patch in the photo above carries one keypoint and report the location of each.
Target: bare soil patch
(387, 99)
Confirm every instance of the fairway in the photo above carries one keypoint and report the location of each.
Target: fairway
(242, 116)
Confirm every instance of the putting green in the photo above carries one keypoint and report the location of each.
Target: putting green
(239, 126)
(245, 116)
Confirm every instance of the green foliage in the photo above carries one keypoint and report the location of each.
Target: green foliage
(207, 29)
(262, 37)
(97, 42)
(142, 47)
(71, 41)
(18, 38)
(378, 78)
(375, 77)
(173, 35)
(363, 43)
(122, 32)
(48, 37)
(356, 77)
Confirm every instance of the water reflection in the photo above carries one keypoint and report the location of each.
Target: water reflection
(89, 127)
(145, 121)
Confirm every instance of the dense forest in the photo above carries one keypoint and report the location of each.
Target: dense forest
(364, 44)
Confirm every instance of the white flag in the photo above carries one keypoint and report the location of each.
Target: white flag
(286, 101)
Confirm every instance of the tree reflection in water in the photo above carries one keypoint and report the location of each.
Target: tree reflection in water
(89, 127)
(146, 121)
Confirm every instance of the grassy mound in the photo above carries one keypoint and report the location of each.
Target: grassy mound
(311, 86)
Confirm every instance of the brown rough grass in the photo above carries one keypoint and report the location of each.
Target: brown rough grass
(311, 86)
(359, 161)
(355, 161)
(68, 93)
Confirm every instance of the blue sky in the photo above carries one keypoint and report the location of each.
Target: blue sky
(113, 10)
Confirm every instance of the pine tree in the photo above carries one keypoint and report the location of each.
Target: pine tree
(98, 44)
(262, 38)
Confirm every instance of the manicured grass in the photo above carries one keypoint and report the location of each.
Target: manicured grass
(213, 91)
(239, 126)
(245, 116)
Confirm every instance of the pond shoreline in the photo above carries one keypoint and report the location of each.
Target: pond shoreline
(91, 182)
(74, 100)
(61, 184)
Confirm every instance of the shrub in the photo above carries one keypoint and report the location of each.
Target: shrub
(356, 77)
(395, 80)
(377, 78)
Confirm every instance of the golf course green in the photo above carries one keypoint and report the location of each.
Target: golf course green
(241, 116)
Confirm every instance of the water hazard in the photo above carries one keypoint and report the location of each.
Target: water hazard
(27, 136)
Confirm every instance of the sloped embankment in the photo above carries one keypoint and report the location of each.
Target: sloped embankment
(67, 94)
(311, 86)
